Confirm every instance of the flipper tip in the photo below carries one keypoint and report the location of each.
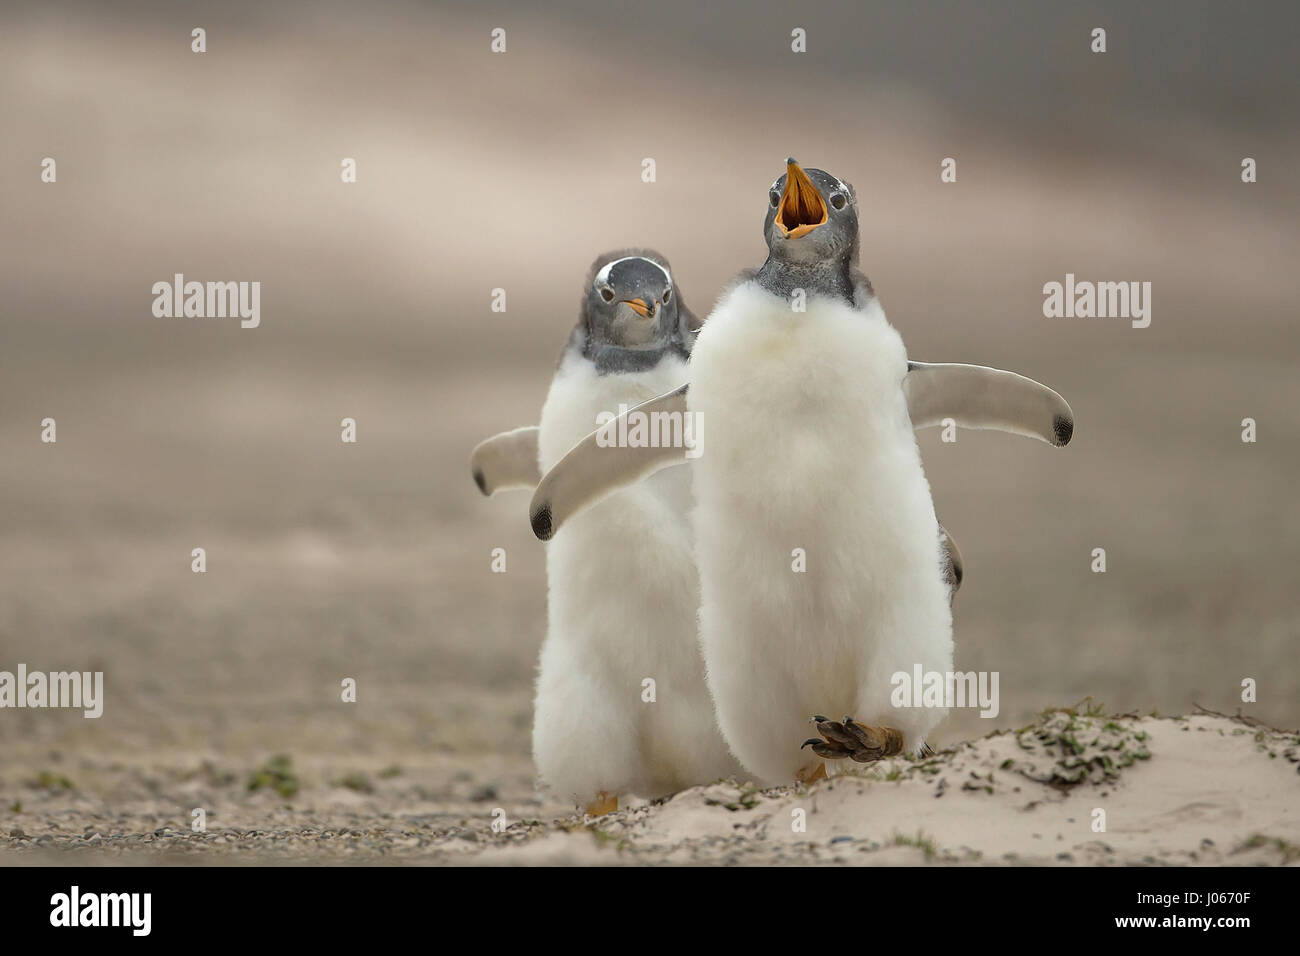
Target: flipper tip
(541, 521)
(1063, 429)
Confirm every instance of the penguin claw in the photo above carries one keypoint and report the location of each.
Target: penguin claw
(859, 742)
(822, 749)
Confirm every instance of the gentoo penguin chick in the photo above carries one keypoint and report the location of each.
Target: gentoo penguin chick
(823, 389)
(623, 586)
(810, 450)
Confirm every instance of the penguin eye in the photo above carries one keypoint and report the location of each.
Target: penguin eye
(837, 200)
(607, 295)
(668, 294)
(775, 197)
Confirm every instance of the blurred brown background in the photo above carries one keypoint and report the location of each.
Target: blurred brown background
(479, 171)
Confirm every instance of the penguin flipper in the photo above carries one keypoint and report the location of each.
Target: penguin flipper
(978, 397)
(597, 466)
(953, 570)
(507, 460)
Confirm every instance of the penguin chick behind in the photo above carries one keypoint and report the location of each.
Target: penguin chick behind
(621, 705)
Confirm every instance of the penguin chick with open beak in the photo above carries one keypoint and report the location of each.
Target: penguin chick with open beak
(811, 228)
(810, 403)
(807, 329)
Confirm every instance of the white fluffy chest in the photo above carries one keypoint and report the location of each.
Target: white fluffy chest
(792, 388)
(816, 538)
(578, 395)
(807, 445)
(623, 582)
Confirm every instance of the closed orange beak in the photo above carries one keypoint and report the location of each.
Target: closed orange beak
(639, 307)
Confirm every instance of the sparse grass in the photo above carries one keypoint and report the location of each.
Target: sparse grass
(922, 842)
(214, 775)
(277, 773)
(746, 800)
(356, 781)
(1092, 708)
(54, 782)
(1087, 707)
(604, 838)
(1076, 745)
(1290, 852)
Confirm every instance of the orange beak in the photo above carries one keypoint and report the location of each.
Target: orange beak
(801, 209)
(639, 307)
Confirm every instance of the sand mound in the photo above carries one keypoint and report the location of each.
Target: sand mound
(1075, 787)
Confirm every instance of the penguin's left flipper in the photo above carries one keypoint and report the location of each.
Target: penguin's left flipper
(598, 466)
(953, 570)
(848, 738)
(507, 460)
(978, 397)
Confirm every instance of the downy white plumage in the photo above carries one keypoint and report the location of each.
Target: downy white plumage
(623, 586)
(810, 447)
(823, 569)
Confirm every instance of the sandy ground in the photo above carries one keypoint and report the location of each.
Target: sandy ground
(1075, 787)
(372, 561)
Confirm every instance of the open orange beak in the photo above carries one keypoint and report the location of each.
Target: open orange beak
(801, 209)
(639, 307)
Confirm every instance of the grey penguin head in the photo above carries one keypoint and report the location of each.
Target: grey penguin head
(632, 315)
(630, 303)
(812, 217)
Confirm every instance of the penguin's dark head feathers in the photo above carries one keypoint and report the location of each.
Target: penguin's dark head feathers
(632, 313)
(812, 217)
(630, 301)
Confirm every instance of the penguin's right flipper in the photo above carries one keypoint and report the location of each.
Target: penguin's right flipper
(953, 570)
(508, 460)
(597, 466)
(978, 397)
